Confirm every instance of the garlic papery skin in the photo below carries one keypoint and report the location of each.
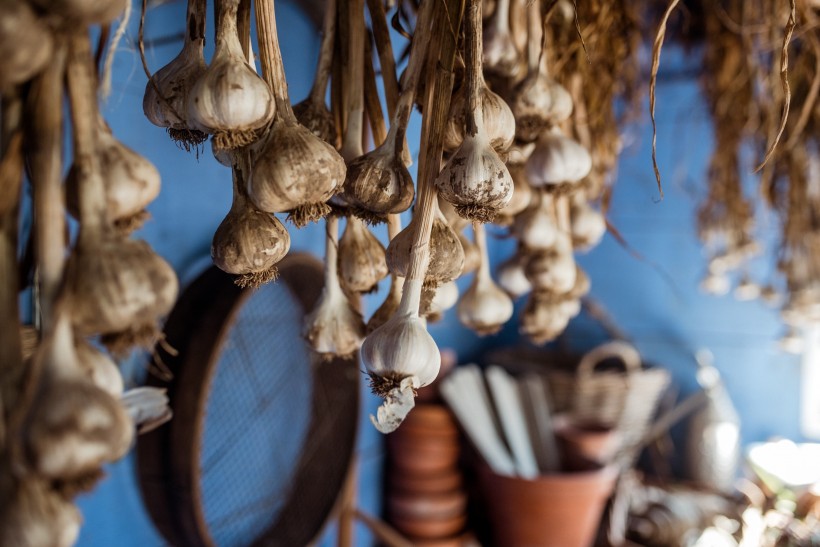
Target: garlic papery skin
(588, 225)
(72, 13)
(557, 159)
(131, 183)
(248, 242)
(539, 103)
(498, 120)
(26, 44)
(73, 426)
(378, 182)
(165, 102)
(436, 301)
(484, 308)
(333, 328)
(475, 180)
(537, 227)
(297, 172)
(400, 357)
(500, 56)
(543, 318)
(229, 100)
(147, 407)
(552, 269)
(99, 367)
(35, 515)
(446, 253)
(362, 262)
(511, 276)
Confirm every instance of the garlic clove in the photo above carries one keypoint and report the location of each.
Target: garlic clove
(26, 44)
(297, 172)
(362, 262)
(557, 159)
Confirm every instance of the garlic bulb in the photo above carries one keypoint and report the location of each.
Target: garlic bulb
(484, 308)
(588, 225)
(400, 357)
(556, 160)
(543, 318)
(538, 103)
(26, 44)
(362, 262)
(552, 269)
(747, 289)
(99, 368)
(499, 52)
(229, 100)
(537, 228)
(333, 328)
(35, 515)
(446, 253)
(498, 119)
(475, 180)
(521, 196)
(165, 101)
(131, 183)
(73, 426)
(715, 284)
(249, 243)
(378, 182)
(436, 301)
(72, 13)
(511, 276)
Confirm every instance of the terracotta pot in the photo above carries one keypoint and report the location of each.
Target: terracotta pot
(561, 510)
(428, 528)
(423, 455)
(585, 442)
(437, 483)
(448, 504)
(432, 416)
(460, 540)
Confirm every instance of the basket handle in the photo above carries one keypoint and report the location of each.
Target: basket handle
(616, 348)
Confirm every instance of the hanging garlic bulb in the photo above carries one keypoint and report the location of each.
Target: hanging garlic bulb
(747, 289)
(99, 368)
(37, 516)
(511, 276)
(537, 228)
(484, 308)
(362, 262)
(400, 357)
(499, 52)
(519, 153)
(543, 318)
(552, 269)
(26, 44)
(76, 13)
(436, 301)
(446, 253)
(118, 288)
(588, 225)
(539, 102)
(229, 100)
(499, 122)
(249, 243)
(333, 328)
(453, 219)
(715, 284)
(165, 102)
(475, 180)
(557, 160)
(131, 183)
(521, 196)
(73, 426)
(294, 171)
(313, 113)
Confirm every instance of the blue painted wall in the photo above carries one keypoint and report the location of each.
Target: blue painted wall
(667, 320)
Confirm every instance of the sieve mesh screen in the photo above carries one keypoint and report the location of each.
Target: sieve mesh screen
(256, 418)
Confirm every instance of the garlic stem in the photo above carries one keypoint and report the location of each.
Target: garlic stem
(243, 30)
(323, 66)
(473, 114)
(270, 56)
(501, 17)
(45, 159)
(84, 115)
(332, 283)
(387, 60)
(480, 238)
(562, 213)
(535, 35)
(354, 96)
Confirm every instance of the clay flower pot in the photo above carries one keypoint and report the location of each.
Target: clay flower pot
(437, 483)
(422, 455)
(560, 510)
(582, 443)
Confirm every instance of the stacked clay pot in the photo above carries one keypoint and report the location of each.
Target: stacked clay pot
(425, 499)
